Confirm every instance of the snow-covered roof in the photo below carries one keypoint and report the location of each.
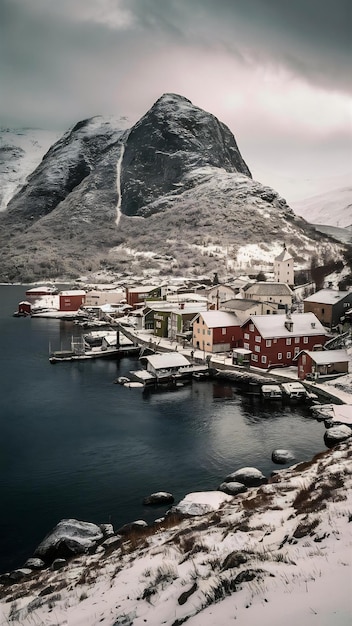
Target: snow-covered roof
(73, 292)
(142, 289)
(164, 361)
(323, 357)
(271, 326)
(328, 296)
(218, 319)
(242, 304)
(264, 288)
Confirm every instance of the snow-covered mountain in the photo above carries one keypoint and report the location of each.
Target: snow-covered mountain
(332, 208)
(174, 184)
(21, 151)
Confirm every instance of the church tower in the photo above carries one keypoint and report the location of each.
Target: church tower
(283, 268)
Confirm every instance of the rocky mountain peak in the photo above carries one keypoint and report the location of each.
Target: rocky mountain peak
(171, 139)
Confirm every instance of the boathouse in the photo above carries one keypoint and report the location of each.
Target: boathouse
(322, 363)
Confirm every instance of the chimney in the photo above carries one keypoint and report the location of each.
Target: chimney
(289, 323)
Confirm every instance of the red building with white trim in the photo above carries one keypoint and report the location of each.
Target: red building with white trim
(71, 300)
(275, 340)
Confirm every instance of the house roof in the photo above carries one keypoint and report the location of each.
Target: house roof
(273, 326)
(264, 288)
(166, 360)
(328, 296)
(142, 289)
(242, 304)
(324, 357)
(218, 319)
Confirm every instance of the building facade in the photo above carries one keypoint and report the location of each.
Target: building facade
(216, 331)
(329, 305)
(275, 340)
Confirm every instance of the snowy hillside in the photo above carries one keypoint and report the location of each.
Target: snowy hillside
(277, 554)
(333, 208)
(21, 151)
(174, 184)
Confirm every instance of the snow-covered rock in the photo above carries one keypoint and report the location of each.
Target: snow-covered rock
(232, 488)
(159, 497)
(336, 434)
(249, 476)
(282, 456)
(201, 502)
(68, 538)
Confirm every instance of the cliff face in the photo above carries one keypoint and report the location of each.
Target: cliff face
(173, 138)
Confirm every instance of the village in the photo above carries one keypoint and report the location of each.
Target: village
(261, 325)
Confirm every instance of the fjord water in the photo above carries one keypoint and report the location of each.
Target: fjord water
(73, 444)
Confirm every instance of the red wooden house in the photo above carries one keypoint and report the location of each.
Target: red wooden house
(275, 340)
(317, 364)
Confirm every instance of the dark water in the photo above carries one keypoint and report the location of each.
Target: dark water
(73, 444)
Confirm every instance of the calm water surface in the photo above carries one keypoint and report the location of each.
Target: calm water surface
(73, 444)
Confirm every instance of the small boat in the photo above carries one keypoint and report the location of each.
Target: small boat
(294, 391)
(271, 392)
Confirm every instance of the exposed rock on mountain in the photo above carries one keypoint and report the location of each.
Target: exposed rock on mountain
(172, 187)
(171, 140)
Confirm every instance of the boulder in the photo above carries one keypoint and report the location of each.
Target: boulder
(34, 563)
(112, 542)
(160, 497)
(136, 525)
(58, 564)
(336, 434)
(232, 488)
(19, 574)
(249, 476)
(282, 456)
(107, 529)
(201, 502)
(69, 538)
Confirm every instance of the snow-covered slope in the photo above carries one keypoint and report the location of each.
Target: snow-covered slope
(333, 208)
(21, 151)
(277, 554)
(172, 184)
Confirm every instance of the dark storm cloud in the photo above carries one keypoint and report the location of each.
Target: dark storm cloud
(311, 37)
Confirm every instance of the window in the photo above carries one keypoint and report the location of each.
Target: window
(246, 346)
(223, 331)
(263, 359)
(288, 341)
(254, 357)
(258, 338)
(257, 348)
(246, 336)
(203, 331)
(275, 340)
(209, 332)
(305, 339)
(296, 351)
(268, 343)
(288, 355)
(296, 339)
(251, 327)
(198, 330)
(279, 356)
(304, 359)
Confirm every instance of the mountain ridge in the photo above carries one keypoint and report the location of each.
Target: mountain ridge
(184, 189)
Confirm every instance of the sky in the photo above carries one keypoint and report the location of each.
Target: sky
(276, 72)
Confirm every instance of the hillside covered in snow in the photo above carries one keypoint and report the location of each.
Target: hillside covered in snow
(278, 553)
(333, 208)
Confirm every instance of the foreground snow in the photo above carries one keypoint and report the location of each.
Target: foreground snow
(280, 553)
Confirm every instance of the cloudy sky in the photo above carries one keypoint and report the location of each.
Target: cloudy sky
(277, 72)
